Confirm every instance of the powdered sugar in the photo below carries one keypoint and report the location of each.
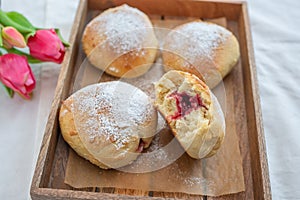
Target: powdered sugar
(155, 157)
(186, 177)
(110, 110)
(196, 42)
(124, 28)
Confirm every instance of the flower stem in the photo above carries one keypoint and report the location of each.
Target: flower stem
(30, 59)
(8, 90)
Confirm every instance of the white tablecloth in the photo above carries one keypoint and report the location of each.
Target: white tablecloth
(275, 27)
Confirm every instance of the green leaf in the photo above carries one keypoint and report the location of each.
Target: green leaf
(65, 43)
(1, 42)
(9, 91)
(30, 59)
(28, 35)
(6, 20)
(3, 50)
(19, 18)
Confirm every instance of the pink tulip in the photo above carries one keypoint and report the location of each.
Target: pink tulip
(13, 37)
(45, 45)
(6, 45)
(16, 74)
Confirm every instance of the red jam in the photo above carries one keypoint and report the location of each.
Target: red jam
(185, 104)
(141, 146)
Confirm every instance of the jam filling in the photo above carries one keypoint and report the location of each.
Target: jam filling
(185, 104)
(141, 146)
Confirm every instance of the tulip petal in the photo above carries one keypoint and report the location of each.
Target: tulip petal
(16, 74)
(13, 37)
(46, 46)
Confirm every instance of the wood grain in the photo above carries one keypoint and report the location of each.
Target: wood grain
(205, 9)
(176, 195)
(235, 104)
(57, 174)
(259, 164)
(241, 88)
(46, 155)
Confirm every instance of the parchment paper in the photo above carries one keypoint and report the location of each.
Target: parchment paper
(218, 175)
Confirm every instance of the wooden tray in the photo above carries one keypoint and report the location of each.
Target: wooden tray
(240, 85)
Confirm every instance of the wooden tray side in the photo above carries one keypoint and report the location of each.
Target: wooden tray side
(237, 121)
(252, 143)
(259, 164)
(205, 9)
(54, 151)
(46, 155)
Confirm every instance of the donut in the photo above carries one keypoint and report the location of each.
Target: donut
(205, 49)
(121, 42)
(108, 123)
(192, 112)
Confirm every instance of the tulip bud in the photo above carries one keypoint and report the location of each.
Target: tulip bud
(6, 44)
(45, 45)
(13, 37)
(16, 74)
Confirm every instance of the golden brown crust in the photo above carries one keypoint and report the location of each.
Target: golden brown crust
(201, 131)
(123, 58)
(212, 62)
(70, 133)
(105, 126)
